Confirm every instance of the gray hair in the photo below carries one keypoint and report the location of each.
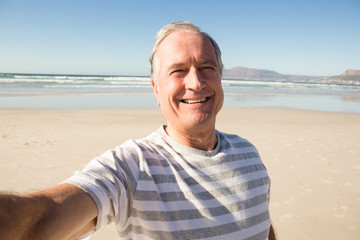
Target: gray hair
(180, 26)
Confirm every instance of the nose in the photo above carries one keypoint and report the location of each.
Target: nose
(194, 80)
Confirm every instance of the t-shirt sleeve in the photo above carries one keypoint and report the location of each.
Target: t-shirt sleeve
(106, 179)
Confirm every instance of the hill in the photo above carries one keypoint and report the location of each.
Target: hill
(348, 77)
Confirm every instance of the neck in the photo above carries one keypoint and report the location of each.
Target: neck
(201, 139)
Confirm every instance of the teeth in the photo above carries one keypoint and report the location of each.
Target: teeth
(194, 101)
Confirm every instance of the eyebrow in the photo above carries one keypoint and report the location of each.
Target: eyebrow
(209, 62)
(176, 65)
(180, 65)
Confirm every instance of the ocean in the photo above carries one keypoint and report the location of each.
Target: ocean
(56, 91)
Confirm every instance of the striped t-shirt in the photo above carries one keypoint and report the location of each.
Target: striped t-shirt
(156, 188)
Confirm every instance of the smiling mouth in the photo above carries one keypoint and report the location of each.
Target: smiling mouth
(192, 101)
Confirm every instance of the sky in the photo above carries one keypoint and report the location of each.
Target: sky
(308, 37)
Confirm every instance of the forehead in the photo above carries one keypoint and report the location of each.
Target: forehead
(182, 46)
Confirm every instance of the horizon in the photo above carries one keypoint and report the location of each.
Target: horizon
(116, 38)
(129, 75)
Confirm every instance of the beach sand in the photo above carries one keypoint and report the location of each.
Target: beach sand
(313, 158)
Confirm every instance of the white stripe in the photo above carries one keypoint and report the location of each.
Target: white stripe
(244, 233)
(192, 224)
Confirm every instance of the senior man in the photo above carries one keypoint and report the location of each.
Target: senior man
(186, 180)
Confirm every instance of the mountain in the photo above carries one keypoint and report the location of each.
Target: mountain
(250, 74)
(348, 77)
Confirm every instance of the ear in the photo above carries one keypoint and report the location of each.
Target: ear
(156, 91)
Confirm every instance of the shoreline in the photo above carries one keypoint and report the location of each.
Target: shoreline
(224, 108)
(312, 157)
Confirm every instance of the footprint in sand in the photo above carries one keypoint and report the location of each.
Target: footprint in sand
(324, 160)
(341, 211)
(328, 181)
(289, 201)
(286, 217)
(4, 136)
(356, 167)
(305, 189)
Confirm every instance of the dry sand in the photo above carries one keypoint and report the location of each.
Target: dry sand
(312, 157)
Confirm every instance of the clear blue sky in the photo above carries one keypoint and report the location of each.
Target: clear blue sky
(310, 37)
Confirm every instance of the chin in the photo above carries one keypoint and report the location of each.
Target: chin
(200, 121)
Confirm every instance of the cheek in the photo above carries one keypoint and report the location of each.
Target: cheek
(171, 89)
(215, 84)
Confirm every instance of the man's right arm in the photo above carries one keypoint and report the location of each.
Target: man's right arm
(61, 212)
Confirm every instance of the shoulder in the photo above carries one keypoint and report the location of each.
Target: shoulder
(234, 144)
(227, 138)
(132, 151)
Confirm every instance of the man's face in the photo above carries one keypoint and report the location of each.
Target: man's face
(188, 81)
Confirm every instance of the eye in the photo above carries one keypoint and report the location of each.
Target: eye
(207, 68)
(177, 70)
(178, 73)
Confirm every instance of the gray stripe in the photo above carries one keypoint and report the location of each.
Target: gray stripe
(130, 182)
(238, 145)
(160, 161)
(167, 178)
(159, 152)
(232, 173)
(205, 232)
(180, 196)
(196, 214)
(260, 236)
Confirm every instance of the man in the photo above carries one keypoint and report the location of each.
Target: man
(184, 181)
